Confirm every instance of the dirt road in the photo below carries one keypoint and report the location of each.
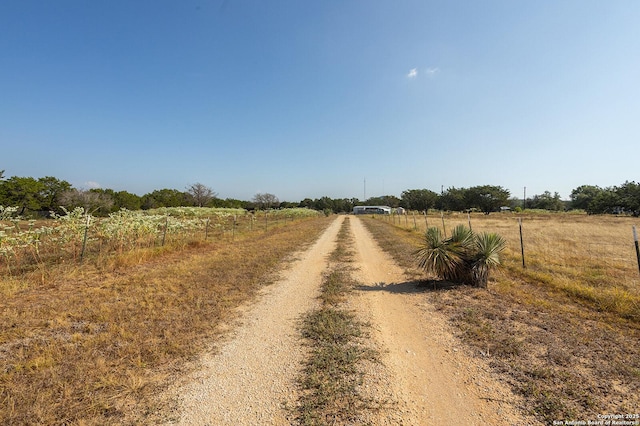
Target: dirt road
(251, 378)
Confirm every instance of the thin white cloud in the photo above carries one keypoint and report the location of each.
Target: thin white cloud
(431, 72)
(92, 185)
(413, 73)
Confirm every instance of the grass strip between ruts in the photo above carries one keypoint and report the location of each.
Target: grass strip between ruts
(337, 340)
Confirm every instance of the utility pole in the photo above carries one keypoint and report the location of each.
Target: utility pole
(365, 190)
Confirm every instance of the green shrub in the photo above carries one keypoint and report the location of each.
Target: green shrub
(465, 257)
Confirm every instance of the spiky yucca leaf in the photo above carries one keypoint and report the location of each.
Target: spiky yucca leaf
(436, 256)
(461, 242)
(464, 257)
(488, 250)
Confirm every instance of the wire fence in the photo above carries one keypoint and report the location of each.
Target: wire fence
(598, 249)
(76, 235)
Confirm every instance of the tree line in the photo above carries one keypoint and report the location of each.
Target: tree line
(42, 195)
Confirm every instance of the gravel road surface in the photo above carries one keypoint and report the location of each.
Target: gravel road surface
(430, 378)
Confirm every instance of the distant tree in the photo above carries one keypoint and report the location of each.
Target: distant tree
(515, 203)
(308, 203)
(287, 205)
(127, 200)
(583, 195)
(228, 203)
(94, 202)
(22, 192)
(76, 200)
(324, 203)
(201, 194)
(546, 201)
(418, 199)
(335, 205)
(453, 199)
(165, 198)
(384, 200)
(629, 194)
(51, 191)
(487, 198)
(265, 201)
(1, 174)
(343, 205)
(606, 201)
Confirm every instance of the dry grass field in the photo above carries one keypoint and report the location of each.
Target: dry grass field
(565, 331)
(97, 343)
(589, 257)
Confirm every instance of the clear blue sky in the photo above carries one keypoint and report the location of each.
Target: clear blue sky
(309, 98)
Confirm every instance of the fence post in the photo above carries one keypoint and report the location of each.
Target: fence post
(86, 231)
(166, 225)
(521, 243)
(266, 221)
(635, 239)
(469, 219)
(206, 229)
(444, 229)
(233, 232)
(415, 224)
(426, 222)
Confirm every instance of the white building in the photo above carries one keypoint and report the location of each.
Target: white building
(372, 210)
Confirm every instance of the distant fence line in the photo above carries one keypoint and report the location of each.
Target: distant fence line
(520, 236)
(76, 234)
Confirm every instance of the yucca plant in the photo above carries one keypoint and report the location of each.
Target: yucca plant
(463, 258)
(488, 250)
(437, 256)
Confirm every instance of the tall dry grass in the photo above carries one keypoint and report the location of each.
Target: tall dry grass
(97, 343)
(591, 258)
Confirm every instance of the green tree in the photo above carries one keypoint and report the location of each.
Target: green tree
(127, 200)
(418, 199)
(323, 203)
(546, 201)
(453, 199)
(343, 205)
(629, 194)
(52, 190)
(287, 205)
(22, 192)
(606, 201)
(165, 198)
(384, 200)
(308, 203)
(583, 195)
(487, 198)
